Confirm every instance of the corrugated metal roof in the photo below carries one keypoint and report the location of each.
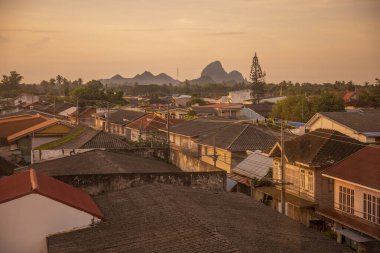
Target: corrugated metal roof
(256, 165)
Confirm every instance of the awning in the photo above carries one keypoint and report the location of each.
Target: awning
(290, 198)
(352, 221)
(240, 179)
(353, 235)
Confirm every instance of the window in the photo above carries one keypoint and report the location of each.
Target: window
(371, 208)
(303, 179)
(346, 199)
(310, 181)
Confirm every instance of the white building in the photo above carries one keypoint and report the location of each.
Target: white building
(33, 206)
(240, 96)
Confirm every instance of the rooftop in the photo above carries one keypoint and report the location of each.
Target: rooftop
(123, 117)
(256, 165)
(240, 137)
(264, 109)
(357, 167)
(86, 138)
(148, 122)
(167, 218)
(362, 122)
(318, 148)
(223, 105)
(196, 127)
(29, 181)
(102, 162)
(15, 124)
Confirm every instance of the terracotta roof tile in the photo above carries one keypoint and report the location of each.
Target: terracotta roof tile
(29, 181)
(32, 129)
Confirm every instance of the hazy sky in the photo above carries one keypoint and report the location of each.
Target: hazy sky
(298, 40)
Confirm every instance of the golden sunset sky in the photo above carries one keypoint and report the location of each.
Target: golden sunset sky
(297, 40)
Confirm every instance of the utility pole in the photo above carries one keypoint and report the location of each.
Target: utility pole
(108, 117)
(168, 133)
(214, 156)
(78, 111)
(54, 104)
(282, 169)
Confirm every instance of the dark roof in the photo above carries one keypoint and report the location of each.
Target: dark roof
(204, 110)
(28, 182)
(264, 109)
(352, 221)
(102, 162)
(362, 167)
(123, 117)
(240, 137)
(196, 127)
(362, 122)
(320, 148)
(57, 108)
(168, 218)
(6, 167)
(87, 138)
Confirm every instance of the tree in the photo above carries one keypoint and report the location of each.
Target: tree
(257, 79)
(12, 81)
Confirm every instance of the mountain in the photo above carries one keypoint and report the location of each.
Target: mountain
(214, 72)
(142, 79)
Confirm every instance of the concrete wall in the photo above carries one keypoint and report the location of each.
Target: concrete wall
(25, 222)
(96, 184)
(358, 196)
(43, 155)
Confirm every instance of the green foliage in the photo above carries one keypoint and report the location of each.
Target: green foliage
(196, 100)
(62, 140)
(191, 115)
(10, 84)
(257, 79)
(301, 108)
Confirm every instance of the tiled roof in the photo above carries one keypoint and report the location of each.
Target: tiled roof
(148, 122)
(31, 112)
(256, 165)
(319, 148)
(32, 129)
(168, 218)
(196, 127)
(87, 138)
(347, 96)
(57, 108)
(362, 167)
(264, 109)
(362, 122)
(102, 162)
(28, 182)
(240, 137)
(13, 125)
(123, 117)
(205, 110)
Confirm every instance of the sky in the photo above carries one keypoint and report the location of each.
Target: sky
(296, 40)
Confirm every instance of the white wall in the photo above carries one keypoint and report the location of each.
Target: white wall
(27, 221)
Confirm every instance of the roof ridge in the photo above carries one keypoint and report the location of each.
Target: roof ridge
(232, 142)
(33, 180)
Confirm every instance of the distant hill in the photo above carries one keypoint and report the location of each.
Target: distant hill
(215, 73)
(212, 73)
(142, 79)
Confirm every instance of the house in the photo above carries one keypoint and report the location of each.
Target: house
(240, 96)
(21, 134)
(225, 110)
(86, 116)
(355, 215)
(171, 218)
(257, 112)
(147, 128)
(305, 157)
(363, 126)
(253, 170)
(181, 101)
(226, 146)
(175, 113)
(205, 111)
(350, 96)
(78, 140)
(56, 108)
(117, 120)
(25, 100)
(34, 206)
(31, 112)
(184, 151)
